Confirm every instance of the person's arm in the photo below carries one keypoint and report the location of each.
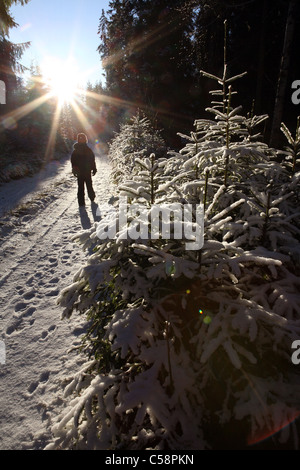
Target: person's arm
(93, 159)
(75, 169)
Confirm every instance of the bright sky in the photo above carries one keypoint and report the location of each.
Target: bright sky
(61, 31)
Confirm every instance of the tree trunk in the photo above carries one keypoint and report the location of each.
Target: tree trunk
(261, 62)
(283, 74)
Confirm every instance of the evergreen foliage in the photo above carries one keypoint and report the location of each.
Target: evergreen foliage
(136, 139)
(192, 349)
(292, 153)
(7, 21)
(143, 47)
(153, 51)
(24, 135)
(10, 54)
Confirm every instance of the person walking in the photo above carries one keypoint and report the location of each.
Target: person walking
(83, 167)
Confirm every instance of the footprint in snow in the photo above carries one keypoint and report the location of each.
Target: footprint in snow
(44, 377)
(26, 218)
(20, 290)
(45, 334)
(53, 261)
(14, 328)
(32, 387)
(52, 293)
(20, 306)
(29, 312)
(29, 295)
(18, 325)
(30, 281)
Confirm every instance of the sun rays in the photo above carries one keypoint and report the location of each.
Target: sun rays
(62, 84)
(61, 78)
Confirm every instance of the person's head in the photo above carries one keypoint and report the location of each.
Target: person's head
(82, 139)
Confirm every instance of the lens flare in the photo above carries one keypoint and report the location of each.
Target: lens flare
(61, 78)
(207, 320)
(170, 268)
(266, 434)
(10, 123)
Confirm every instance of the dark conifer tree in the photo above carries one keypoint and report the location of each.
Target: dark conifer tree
(145, 50)
(256, 32)
(10, 54)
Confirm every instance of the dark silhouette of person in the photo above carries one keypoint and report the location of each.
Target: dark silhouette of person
(83, 166)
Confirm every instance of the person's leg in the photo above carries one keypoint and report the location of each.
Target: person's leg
(81, 191)
(90, 189)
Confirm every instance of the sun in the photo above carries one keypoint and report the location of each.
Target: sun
(61, 78)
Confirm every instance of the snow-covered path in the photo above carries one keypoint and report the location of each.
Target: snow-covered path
(38, 259)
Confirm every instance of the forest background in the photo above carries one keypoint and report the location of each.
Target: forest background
(152, 52)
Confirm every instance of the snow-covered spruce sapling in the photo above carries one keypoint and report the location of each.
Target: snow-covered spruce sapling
(292, 151)
(226, 145)
(136, 139)
(143, 185)
(148, 404)
(162, 352)
(236, 152)
(251, 124)
(224, 152)
(254, 251)
(235, 358)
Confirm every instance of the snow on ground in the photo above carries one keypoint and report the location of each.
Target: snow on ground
(38, 260)
(23, 190)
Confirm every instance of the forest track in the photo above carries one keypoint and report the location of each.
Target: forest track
(39, 259)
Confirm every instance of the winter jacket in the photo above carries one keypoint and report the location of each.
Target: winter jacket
(83, 160)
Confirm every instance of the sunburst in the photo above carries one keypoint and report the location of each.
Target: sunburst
(61, 78)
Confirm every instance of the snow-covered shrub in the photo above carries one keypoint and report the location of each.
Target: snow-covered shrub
(290, 184)
(225, 146)
(180, 347)
(134, 400)
(136, 139)
(192, 349)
